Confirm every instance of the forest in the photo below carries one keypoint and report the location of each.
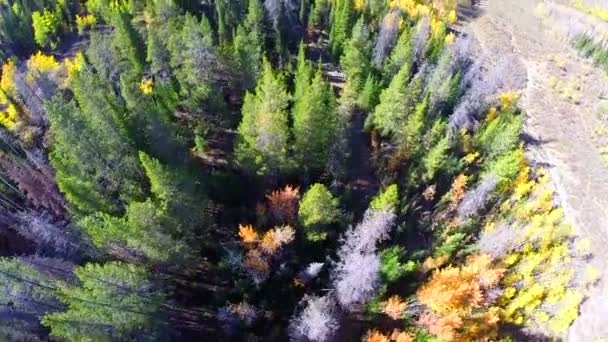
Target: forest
(270, 170)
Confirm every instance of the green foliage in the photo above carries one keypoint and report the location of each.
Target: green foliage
(356, 63)
(96, 168)
(46, 25)
(118, 302)
(128, 42)
(411, 136)
(401, 54)
(249, 43)
(370, 93)
(450, 245)
(501, 135)
(264, 131)
(315, 122)
(320, 12)
(342, 16)
(393, 268)
(397, 102)
(435, 159)
(387, 200)
(318, 207)
(590, 48)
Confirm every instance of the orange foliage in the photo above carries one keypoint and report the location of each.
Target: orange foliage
(376, 336)
(459, 187)
(247, 233)
(452, 290)
(394, 307)
(432, 263)
(400, 336)
(269, 243)
(283, 204)
(456, 295)
(445, 327)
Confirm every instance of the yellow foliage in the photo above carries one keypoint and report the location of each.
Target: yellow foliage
(247, 233)
(74, 65)
(492, 114)
(449, 38)
(508, 99)
(459, 187)
(470, 158)
(146, 86)
(9, 118)
(43, 63)
(394, 307)
(8, 71)
(433, 263)
(593, 274)
(452, 17)
(360, 5)
(85, 21)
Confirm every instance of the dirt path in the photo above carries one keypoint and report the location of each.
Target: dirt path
(560, 98)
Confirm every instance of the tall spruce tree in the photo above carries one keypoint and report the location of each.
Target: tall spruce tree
(356, 63)
(264, 132)
(249, 43)
(314, 122)
(342, 17)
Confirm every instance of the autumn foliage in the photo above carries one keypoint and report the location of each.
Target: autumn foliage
(283, 204)
(458, 301)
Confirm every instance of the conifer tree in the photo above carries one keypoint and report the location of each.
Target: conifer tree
(314, 122)
(118, 302)
(263, 143)
(396, 102)
(400, 55)
(355, 63)
(342, 16)
(96, 167)
(319, 14)
(249, 43)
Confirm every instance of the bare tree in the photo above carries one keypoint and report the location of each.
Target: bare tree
(318, 321)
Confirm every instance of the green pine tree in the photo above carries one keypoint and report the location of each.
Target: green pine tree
(315, 122)
(249, 44)
(318, 208)
(264, 132)
(342, 16)
(355, 63)
(112, 301)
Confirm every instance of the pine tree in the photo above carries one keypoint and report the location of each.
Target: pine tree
(396, 103)
(263, 143)
(96, 167)
(401, 55)
(229, 13)
(249, 43)
(318, 208)
(319, 14)
(355, 63)
(342, 16)
(314, 122)
(111, 301)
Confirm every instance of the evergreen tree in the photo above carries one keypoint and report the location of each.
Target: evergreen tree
(112, 301)
(264, 131)
(127, 42)
(396, 103)
(319, 14)
(314, 122)
(318, 208)
(342, 16)
(96, 167)
(370, 93)
(401, 54)
(196, 63)
(249, 43)
(355, 63)
(229, 13)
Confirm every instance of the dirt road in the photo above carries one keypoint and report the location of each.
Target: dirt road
(560, 96)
